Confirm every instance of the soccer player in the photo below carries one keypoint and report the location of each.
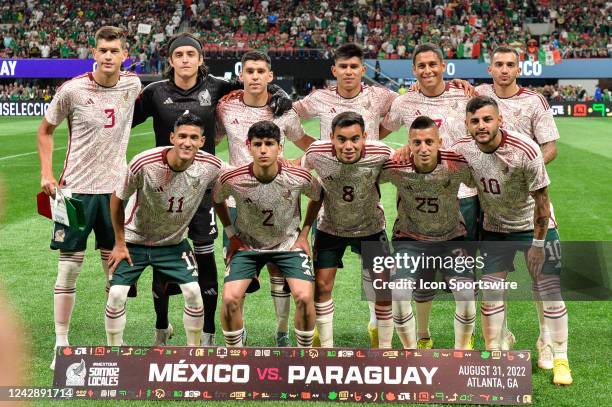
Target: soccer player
(98, 106)
(165, 186)
(428, 211)
(266, 230)
(526, 112)
(445, 104)
(236, 113)
(512, 182)
(189, 87)
(348, 169)
(350, 94)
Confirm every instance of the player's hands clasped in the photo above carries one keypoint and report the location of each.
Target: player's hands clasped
(119, 253)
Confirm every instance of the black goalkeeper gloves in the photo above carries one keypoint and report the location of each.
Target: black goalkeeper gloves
(279, 101)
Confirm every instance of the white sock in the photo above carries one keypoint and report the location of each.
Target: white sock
(325, 322)
(193, 313)
(68, 269)
(492, 309)
(405, 323)
(465, 316)
(282, 303)
(115, 314)
(304, 338)
(384, 320)
(423, 301)
(233, 338)
(548, 290)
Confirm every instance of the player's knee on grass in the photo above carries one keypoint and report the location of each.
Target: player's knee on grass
(68, 269)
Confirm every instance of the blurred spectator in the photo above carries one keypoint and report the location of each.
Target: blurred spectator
(25, 91)
(570, 93)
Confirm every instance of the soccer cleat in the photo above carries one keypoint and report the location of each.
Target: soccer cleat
(562, 375)
(508, 341)
(282, 339)
(162, 336)
(425, 343)
(207, 339)
(316, 341)
(373, 334)
(545, 356)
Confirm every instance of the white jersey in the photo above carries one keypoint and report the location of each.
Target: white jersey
(351, 202)
(163, 201)
(446, 109)
(527, 113)
(427, 205)
(505, 178)
(372, 103)
(234, 118)
(268, 214)
(99, 124)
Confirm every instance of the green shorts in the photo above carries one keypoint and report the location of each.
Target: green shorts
(470, 210)
(500, 257)
(329, 249)
(98, 219)
(176, 263)
(441, 257)
(246, 264)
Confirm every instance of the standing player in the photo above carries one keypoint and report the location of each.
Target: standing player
(348, 168)
(526, 112)
(98, 106)
(445, 104)
(350, 94)
(236, 113)
(266, 230)
(509, 171)
(189, 88)
(166, 186)
(428, 211)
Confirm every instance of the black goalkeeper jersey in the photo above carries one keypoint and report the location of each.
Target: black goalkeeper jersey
(165, 102)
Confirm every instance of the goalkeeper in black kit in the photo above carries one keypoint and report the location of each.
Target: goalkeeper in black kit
(189, 88)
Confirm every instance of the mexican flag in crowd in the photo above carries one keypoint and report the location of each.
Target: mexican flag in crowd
(546, 56)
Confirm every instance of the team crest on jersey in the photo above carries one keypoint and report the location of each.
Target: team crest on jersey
(204, 98)
(60, 235)
(196, 185)
(287, 195)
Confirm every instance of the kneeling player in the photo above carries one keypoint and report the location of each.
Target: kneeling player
(428, 212)
(166, 185)
(513, 189)
(266, 230)
(348, 169)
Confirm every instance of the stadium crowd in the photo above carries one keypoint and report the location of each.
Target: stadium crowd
(19, 91)
(387, 29)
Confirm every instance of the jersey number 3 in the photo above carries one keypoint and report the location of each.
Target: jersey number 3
(110, 118)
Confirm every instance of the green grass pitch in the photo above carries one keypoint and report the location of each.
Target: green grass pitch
(580, 190)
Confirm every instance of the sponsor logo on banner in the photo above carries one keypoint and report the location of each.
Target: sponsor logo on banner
(75, 374)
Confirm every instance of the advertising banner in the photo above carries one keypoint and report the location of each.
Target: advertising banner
(351, 375)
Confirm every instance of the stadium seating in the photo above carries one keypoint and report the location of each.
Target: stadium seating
(309, 29)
